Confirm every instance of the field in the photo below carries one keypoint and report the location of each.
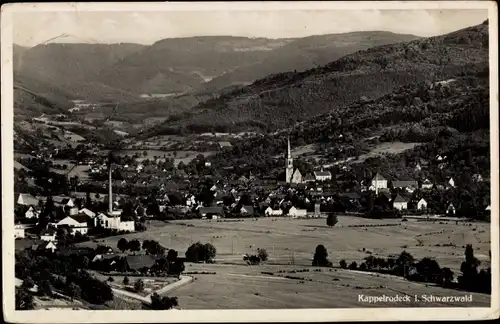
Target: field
(291, 244)
(387, 148)
(181, 156)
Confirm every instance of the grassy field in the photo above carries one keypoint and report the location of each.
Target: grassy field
(290, 245)
(285, 239)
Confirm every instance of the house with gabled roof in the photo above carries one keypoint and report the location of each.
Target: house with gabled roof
(296, 177)
(379, 182)
(48, 235)
(400, 202)
(427, 184)
(31, 213)
(246, 210)
(45, 246)
(322, 175)
(27, 200)
(451, 209)
(87, 212)
(309, 178)
(76, 223)
(422, 204)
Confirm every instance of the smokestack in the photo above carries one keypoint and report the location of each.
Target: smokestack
(110, 197)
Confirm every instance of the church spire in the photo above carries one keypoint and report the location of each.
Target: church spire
(289, 155)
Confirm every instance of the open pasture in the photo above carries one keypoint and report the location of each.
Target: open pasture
(287, 240)
(247, 287)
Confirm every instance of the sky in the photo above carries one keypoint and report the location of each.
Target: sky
(32, 28)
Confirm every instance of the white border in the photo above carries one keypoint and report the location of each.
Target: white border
(264, 315)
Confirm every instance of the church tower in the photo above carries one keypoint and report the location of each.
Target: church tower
(289, 164)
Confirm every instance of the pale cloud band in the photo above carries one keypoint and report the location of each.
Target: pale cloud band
(32, 28)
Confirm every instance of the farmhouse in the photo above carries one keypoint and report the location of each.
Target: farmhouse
(400, 203)
(19, 231)
(27, 200)
(422, 204)
(273, 212)
(45, 246)
(322, 175)
(379, 182)
(76, 223)
(403, 184)
(294, 212)
(31, 213)
(48, 235)
(246, 210)
(426, 184)
(309, 178)
(450, 209)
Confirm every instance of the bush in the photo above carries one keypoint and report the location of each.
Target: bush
(28, 283)
(110, 279)
(262, 253)
(331, 220)
(162, 303)
(353, 266)
(45, 288)
(126, 281)
(343, 264)
(139, 285)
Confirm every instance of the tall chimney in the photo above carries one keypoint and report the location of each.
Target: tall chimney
(110, 197)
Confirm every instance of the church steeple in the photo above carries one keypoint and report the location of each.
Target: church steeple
(289, 163)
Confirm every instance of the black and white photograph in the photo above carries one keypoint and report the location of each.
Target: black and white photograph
(250, 161)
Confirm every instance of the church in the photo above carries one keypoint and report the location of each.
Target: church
(291, 175)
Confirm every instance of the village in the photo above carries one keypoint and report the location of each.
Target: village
(179, 195)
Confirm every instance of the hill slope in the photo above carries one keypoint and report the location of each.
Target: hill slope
(283, 99)
(306, 53)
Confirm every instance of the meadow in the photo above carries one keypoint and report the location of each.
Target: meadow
(296, 239)
(231, 283)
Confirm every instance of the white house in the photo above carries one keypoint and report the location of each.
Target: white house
(77, 223)
(49, 235)
(296, 177)
(107, 221)
(422, 204)
(246, 210)
(450, 209)
(19, 231)
(27, 200)
(379, 182)
(273, 212)
(488, 208)
(31, 213)
(68, 202)
(46, 245)
(400, 203)
(451, 182)
(322, 175)
(114, 221)
(294, 212)
(427, 184)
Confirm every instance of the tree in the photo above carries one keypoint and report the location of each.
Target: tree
(73, 291)
(469, 269)
(447, 276)
(24, 300)
(331, 220)
(320, 258)
(343, 264)
(134, 245)
(198, 252)
(172, 255)
(28, 283)
(353, 266)
(262, 254)
(139, 285)
(45, 288)
(122, 244)
(111, 279)
(162, 303)
(126, 281)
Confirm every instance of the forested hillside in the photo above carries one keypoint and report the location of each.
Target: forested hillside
(283, 99)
